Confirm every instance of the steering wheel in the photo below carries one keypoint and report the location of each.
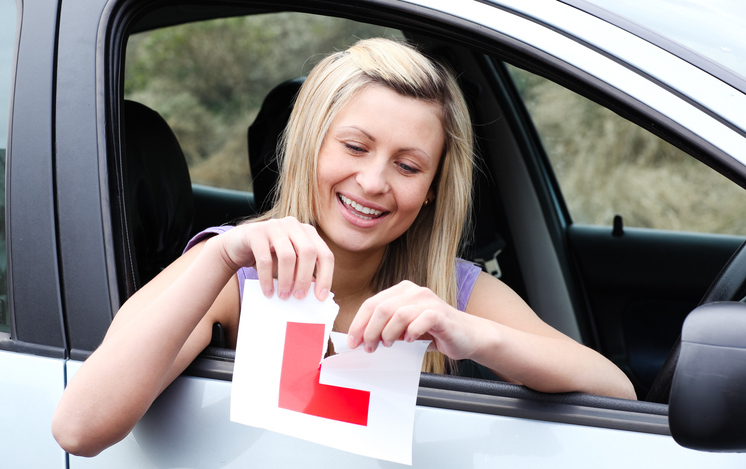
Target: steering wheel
(729, 285)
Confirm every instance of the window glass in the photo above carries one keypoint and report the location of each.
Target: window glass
(208, 79)
(607, 165)
(7, 40)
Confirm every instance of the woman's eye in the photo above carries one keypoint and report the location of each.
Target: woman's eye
(354, 148)
(408, 169)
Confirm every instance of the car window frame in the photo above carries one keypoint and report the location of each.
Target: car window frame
(116, 17)
(34, 307)
(695, 58)
(12, 47)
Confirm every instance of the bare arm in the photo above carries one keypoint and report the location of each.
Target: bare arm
(165, 325)
(517, 344)
(500, 332)
(153, 337)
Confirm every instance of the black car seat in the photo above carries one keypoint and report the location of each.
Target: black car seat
(159, 203)
(263, 137)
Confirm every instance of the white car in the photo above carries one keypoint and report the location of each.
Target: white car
(612, 148)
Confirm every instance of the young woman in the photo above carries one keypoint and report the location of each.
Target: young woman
(373, 196)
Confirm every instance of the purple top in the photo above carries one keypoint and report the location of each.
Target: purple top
(466, 272)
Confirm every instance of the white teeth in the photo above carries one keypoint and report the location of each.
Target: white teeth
(360, 208)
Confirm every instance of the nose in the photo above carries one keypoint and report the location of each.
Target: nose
(371, 176)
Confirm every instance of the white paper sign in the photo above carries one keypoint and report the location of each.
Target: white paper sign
(355, 401)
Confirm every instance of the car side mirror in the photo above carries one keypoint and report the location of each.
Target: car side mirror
(707, 407)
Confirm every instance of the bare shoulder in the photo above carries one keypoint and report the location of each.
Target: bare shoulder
(494, 300)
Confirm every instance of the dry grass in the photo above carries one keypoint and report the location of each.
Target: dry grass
(606, 165)
(228, 167)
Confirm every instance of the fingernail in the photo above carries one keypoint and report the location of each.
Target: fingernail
(323, 294)
(350, 341)
(368, 348)
(284, 295)
(299, 294)
(268, 293)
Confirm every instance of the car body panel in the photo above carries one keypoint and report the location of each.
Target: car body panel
(30, 387)
(714, 28)
(641, 55)
(180, 428)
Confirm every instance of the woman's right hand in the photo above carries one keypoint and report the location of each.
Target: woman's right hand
(168, 322)
(285, 249)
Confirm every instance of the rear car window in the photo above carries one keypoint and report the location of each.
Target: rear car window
(7, 40)
(208, 79)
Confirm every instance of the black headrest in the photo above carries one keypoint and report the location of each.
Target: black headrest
(264, 134)
(160, 205)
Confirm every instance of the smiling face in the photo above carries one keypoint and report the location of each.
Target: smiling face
(376, 167)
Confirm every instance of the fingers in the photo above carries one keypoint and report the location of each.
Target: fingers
(285, 256)
(369, 307)
(422, 324)
(312, 255)
(263, 263)
(390, 315)
(324, 264)
(399, 326)
(289, 251)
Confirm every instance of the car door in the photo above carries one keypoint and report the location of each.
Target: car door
(643, 226)
(646, 227)
(459, 422)
(32, 341)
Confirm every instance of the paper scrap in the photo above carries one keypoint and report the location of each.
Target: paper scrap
(354, 401)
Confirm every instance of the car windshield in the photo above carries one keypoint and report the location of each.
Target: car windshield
(712, 28)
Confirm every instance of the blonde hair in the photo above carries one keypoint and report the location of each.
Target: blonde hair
(426, 253)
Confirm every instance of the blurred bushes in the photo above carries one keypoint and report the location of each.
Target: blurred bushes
(607, 165)
(208, 79)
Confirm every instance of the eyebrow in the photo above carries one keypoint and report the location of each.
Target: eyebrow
(373, 139)
(354, 127)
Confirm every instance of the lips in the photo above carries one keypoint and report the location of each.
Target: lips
(359, 210)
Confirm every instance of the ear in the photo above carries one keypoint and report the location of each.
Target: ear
(430, 196)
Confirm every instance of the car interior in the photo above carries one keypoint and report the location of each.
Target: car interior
(624, 295)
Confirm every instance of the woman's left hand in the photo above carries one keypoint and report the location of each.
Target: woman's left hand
(409, 312)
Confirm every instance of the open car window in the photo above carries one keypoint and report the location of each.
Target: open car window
(608, 166)
(208, 79)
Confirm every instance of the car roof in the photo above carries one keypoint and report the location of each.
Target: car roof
(706, 33)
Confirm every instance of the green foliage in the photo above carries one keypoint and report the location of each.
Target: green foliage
(209, 79)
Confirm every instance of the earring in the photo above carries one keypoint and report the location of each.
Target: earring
(426, 203)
